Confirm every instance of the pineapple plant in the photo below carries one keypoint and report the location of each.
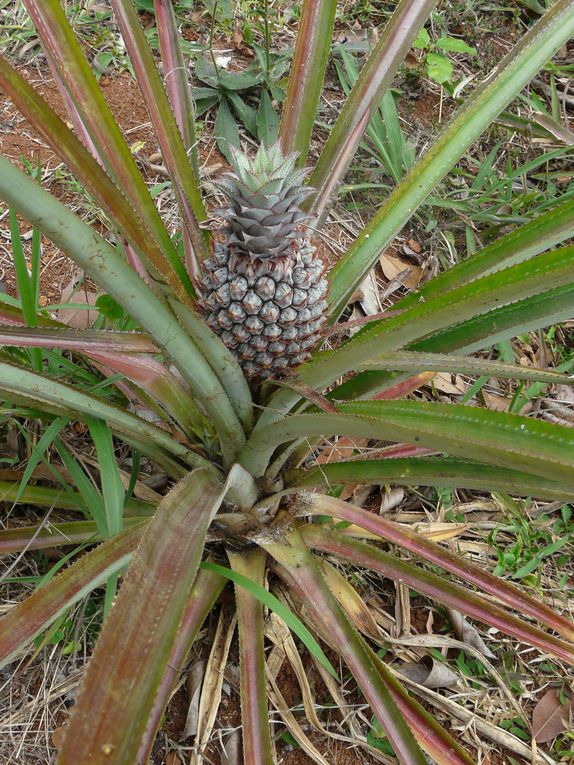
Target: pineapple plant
(247, 503)
(263, 290)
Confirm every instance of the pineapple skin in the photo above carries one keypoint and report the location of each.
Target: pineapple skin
(269, 317)
(263, 290)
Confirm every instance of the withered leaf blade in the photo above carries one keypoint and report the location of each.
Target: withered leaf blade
(468, 634)
(430, 673)
(550, 717)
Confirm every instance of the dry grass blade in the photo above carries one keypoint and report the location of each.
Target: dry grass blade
(289, 718)
(444, 641)
(213, 684)
(468, 717)
(285, 647)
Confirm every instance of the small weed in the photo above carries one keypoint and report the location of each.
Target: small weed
(377, 739)
(230, 93)
(534, 541)
(470, 668)
(385, 141)
(517, 726)
(439, 67)
(244, 96)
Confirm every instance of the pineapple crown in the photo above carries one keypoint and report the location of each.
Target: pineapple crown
(265, 196)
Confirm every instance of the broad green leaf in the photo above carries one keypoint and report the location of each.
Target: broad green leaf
(478, 111)
(28, 619)
(274, 604)
(74, 70)
(267, 121)
(439, 68)
(454, 44)
(422, 40)
(226, 131)
(427, 471)
(314, 34)
(110, 271)
(203, 94)
(239, 80)
(206, 71)
(89, 172)
(496, 438)
(173, 149)
(141, 629)
(293, 555)
(368, 91)
(246, 114)
(109, 308)
(463, 568)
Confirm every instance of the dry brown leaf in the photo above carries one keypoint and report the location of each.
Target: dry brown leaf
(502, 403)
(449, 383)
(360, 533)
(342, 449)
(194, 683)
(79, 318)
(468, 634)
(211, 689)
(564, 394)
(440, 532)
(550, 717)
(58, 736)
(391, 499)
(496, 403)
(362, 494)
(394, 268)
(237, 37)
(414, 245)
(347, 491)
(429, 673)
(368, 295)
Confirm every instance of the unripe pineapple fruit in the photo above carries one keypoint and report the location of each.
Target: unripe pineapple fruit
(263, 290)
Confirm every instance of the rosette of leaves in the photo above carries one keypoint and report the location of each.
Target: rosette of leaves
(247, 502)
(229, 93)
